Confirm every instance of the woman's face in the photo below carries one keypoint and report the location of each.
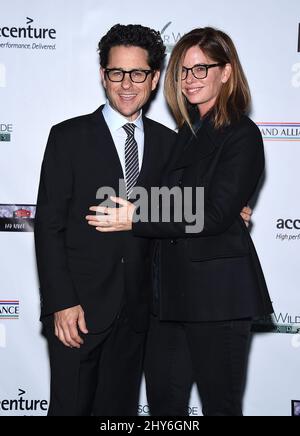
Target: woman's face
(203, 92)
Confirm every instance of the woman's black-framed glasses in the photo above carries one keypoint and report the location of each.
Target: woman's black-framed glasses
(136, 76)
(199, 71)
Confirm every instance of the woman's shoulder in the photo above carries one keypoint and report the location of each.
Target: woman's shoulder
(239, 129)
(244, 123)
(245, 137)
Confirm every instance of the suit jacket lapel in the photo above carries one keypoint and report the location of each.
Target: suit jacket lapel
(103, 144)
(148, 163)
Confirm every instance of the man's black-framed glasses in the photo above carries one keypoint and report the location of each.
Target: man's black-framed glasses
(199, 71)
(136, 76)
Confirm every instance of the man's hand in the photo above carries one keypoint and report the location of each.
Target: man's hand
(112, 219)
(246, 215)
(66, 323)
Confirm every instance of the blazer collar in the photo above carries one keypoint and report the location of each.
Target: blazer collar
(196, 145)
(148, 163)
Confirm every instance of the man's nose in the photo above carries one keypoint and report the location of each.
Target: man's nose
(126, 82)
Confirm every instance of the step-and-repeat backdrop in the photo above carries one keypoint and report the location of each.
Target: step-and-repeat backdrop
(49, 72)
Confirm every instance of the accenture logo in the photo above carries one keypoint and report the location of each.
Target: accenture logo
(289, 228)
(28, 37)
(9, 309)
(23, 404)
(289, 224)
(29, 31)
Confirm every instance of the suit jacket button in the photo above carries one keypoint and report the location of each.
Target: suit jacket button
(173, 241)
(122, 260)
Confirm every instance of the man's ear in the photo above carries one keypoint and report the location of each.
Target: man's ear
(155, 79)
(103, 78)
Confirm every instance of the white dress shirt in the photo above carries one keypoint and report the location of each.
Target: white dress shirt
(115, 122)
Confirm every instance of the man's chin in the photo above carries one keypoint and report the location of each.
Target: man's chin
(130, 114)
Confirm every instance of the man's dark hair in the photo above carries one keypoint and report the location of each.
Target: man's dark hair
(137, 36)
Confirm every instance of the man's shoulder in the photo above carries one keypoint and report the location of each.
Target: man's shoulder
(75, 123)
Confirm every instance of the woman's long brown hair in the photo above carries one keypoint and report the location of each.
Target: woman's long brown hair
(234, 98)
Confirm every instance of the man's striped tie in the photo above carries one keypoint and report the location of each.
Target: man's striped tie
(131, 159)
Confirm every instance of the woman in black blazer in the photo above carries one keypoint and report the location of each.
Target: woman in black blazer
(208, 285)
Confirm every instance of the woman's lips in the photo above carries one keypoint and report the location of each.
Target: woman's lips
(192, 91)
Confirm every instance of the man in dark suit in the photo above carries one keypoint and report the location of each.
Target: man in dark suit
(95, 288)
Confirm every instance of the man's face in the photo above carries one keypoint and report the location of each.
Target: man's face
(128, 97)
